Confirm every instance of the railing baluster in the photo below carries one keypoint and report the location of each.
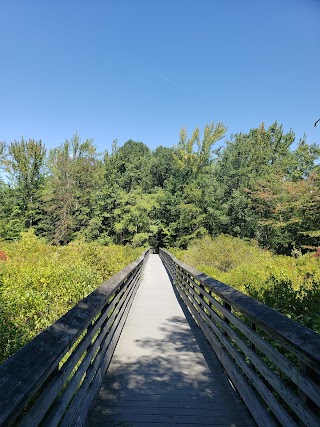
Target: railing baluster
(253, 327)
(89, 332)
(228, 307)
(273, 362)
(261, 342)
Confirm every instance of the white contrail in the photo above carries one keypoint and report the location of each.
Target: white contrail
(167, 80)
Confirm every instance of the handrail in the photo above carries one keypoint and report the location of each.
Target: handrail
(272, 361)
(54, 378)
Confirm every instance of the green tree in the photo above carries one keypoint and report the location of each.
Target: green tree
(72, 189)
(25, 167)
(129, 165)
(303, 160)
(126, 174)
(135, 217)
(246, 159)
(194, 154)
(162, 166)
(281, 198)
(194, 166)
(289, 212)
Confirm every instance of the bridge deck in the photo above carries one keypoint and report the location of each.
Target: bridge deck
(162, 372)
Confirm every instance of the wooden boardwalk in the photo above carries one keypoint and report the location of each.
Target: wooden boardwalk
(163, 372)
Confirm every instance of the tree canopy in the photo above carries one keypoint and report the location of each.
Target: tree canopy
(254, 186)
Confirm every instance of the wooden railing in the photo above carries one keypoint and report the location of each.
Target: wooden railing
(272, 361)
(55, 377)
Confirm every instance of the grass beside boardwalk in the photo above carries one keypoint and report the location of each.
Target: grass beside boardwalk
(40, 282)
(291, 285)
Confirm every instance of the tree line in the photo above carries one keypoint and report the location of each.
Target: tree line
(255, 186)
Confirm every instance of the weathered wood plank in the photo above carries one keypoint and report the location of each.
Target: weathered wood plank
(91, 385)
(298, 338)
(158, 364)
(248, 394)
(27, 371)
(227, 333)
(43, 403)
(305, 383)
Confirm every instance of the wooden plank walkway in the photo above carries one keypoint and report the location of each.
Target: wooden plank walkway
(163, 372)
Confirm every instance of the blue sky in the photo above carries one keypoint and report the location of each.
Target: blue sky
(144, 69)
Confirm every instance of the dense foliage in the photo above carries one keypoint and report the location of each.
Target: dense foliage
(40, 282)
(85, 206)
(256, 186)
(291, 285)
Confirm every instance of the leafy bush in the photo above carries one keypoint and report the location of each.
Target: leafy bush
(223, 252)
(39, 283)
(302, 304)
(289, 285)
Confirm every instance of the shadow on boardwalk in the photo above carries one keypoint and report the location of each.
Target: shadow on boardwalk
(173, 379)
(163, 389)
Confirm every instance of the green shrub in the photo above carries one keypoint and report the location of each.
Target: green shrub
(40, 282)
(288, 284)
